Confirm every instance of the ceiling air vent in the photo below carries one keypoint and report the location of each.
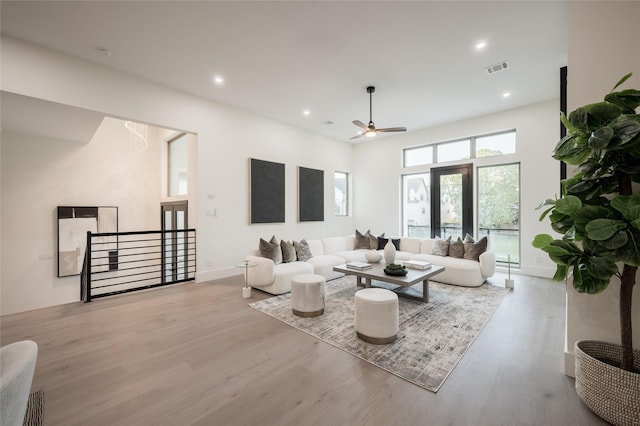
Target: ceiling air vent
(500, 66)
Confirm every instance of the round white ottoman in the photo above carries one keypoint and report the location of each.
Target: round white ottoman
(307, 295)
(376, 315)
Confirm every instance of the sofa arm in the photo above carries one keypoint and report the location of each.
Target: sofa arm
(487, 263)
(262, 274)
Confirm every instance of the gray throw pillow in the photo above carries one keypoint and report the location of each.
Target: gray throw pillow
(473, 251)
(362, 240)
(468, 239)
(302, 250)
(441, 247)
(288, 252)
(373, 241)
(271, 250)
(456, 249)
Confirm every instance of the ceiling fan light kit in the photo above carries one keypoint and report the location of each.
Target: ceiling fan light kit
(370, 129)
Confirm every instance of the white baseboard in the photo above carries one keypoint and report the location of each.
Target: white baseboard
(217, 274)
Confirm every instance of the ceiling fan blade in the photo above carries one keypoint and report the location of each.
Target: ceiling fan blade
(359, 135)
(392, 129)
(360, 124)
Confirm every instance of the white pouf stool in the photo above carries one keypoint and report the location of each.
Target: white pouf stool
(376, 315)
(307, 295)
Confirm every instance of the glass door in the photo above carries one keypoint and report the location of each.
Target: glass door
(174, 244)
(452, 201)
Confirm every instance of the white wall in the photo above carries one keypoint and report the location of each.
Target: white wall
(227, 138)
(603, 47)
(378, 170)
(39, 174)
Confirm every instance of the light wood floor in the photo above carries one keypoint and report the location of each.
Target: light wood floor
(197, 354)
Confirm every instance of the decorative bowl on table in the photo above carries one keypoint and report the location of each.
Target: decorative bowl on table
(395, 270)
(373, 256)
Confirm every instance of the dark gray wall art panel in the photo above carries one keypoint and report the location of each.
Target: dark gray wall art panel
(267, 191)
(310, 195)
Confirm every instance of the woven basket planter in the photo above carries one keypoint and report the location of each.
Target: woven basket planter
(610, 392)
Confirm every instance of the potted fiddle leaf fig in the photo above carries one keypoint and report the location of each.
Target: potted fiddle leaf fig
(598, 218)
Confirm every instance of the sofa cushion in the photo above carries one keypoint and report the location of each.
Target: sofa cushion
(302, 250)
(411, 245)
(362, 240)
(353, 255)
(462, 272)
(323, 265)
(441, 247)
(383, 242)
(373, 241)
(316, 247)
(288, 252)
(473, 250)
(333, 245)
(271, 250)
(456, 249)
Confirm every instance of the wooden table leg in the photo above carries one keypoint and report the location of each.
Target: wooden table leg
(425, 290)
(367, 283)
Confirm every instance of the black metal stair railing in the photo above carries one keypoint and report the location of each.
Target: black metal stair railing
(122, 262)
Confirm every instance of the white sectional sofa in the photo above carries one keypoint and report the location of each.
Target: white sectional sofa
(329, 252)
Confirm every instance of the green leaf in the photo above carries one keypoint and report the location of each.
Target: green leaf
(636, 224)
(568, 246)
(561, 273)
(558, 252)
(545, 213)
(630, 253)
(601, 137)
(547, 202)
(628, 100)
(625, 128)
(601, 114)
(628, 205)
(581, 186)
(569, 205)
(567, 124)
(578, 119)
(577, 277)
(601, 268)
(565, 145)
(618, 240)
(622, 80)
(541, 240)
(575, 156)
(603, 229)
(590, 284)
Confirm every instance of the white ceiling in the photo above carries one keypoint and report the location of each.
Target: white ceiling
(280, 58)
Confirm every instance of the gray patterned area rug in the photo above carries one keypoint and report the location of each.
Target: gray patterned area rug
(432, 338)
(35, 409)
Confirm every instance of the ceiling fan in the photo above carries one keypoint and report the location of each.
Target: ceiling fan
(370, 129)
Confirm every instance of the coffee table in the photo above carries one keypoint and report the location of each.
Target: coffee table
(404, 283)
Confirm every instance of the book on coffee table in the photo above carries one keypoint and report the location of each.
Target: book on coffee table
(361, 266)
(417, 264)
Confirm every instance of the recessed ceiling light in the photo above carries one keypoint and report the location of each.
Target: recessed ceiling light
(219, 80)
(481, 45)
(306, 112)
(506, 94)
